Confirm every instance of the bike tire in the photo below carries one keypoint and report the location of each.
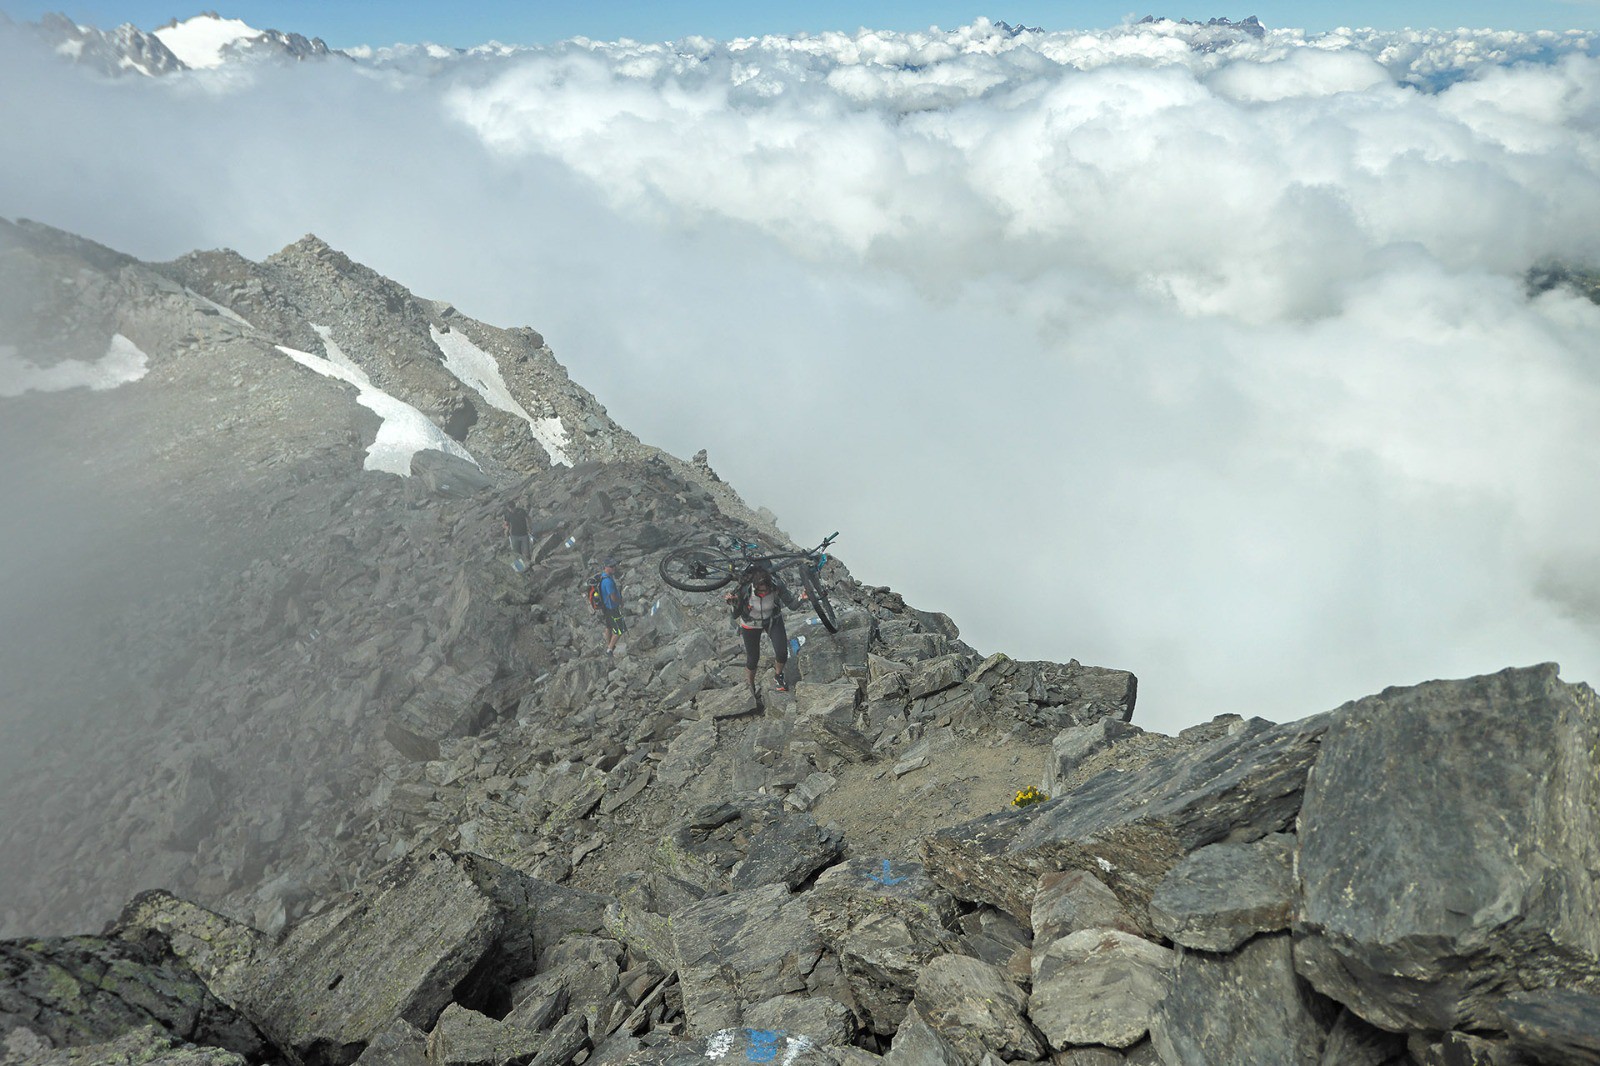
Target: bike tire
(819, 599)
(697, 569)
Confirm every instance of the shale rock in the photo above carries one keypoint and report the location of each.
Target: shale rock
(64, 992)
(395, 952)
(147, 1046)
(743, 949)
(1420, 903)
(976, 1009)
(1224, 894)
(1099, 986)
(1131, 828)
(1249, 1008)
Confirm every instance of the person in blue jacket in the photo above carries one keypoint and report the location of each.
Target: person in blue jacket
(611, 606)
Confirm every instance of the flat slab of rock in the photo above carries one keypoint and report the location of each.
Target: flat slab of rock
(1067, 903)
(976, 1010)
(1099, 986)
(1224, 894)
(1131, 828)
(222, 951)
(147, 1046)
(1249, 1008)
(397, 952)
(1448, 845)
(1560, 1026)
(78, 991)
(885, 921)
(742, 949)
(463, 1037)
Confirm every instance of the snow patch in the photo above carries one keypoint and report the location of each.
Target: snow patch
(226, 312)
(477, 369)
(199, 41)
(405, 430)
(122, 363)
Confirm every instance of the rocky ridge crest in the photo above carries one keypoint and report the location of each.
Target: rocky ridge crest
(395, 806)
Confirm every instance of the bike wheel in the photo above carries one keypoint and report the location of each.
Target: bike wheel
(696, 569)
(819, 599)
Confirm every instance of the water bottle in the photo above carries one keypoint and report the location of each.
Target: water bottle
(654, 607)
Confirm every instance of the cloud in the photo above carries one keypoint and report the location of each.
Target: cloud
(1209, 359)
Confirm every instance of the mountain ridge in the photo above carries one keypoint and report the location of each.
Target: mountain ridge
(302, 735)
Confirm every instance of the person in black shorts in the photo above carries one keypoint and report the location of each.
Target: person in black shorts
(515, 518)
(757, 610)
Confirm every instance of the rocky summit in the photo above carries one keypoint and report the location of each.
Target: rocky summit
(301, 764)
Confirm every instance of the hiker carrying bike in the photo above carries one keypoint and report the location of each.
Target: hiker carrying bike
(757, 609)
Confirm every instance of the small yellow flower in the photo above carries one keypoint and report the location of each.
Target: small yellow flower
(1028, 796)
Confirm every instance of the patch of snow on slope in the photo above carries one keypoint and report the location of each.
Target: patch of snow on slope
(477, 369)
(199, 41)
(226, 312)
(122, 363)
(405, 430)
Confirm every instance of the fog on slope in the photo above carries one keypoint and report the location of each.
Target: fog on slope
(1211, 360)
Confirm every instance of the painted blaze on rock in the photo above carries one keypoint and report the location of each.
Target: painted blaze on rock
(1447, 848)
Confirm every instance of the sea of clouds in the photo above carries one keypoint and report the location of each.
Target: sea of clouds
(1158, 347)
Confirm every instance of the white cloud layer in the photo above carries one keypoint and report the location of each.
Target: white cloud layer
(1204, 357)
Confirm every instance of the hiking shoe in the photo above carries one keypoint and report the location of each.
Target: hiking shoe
(780, 685)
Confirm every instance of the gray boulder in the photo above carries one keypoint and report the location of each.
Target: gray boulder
(63, 992)
(450, 704)
(1073, 747)
(1558, 1026)
(396, 951)
(1245, 1009)
(976, 1010)
(916, 1043)
(885, 921)
(1066, 903)
(148, 1045)
(1447, 849)
(743, 949)
(1224, 894)
(449, 475)
(1099, 986)
(402, 1044)
(464, 1037)
(1131, 828)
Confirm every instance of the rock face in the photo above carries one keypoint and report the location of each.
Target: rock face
(407, 811)
(1449, 838)
(76, 992)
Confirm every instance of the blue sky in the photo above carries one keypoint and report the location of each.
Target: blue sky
(347, 24)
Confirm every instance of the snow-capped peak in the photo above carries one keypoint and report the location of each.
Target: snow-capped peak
(200, 41)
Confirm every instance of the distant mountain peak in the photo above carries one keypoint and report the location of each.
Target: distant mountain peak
(1250, 24)
(200, 42)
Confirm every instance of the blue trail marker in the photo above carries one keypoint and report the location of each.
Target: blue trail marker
(885, 878)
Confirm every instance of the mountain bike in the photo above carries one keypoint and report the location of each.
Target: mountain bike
(706, 568)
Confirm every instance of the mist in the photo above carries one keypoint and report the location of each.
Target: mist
(1210, 361)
